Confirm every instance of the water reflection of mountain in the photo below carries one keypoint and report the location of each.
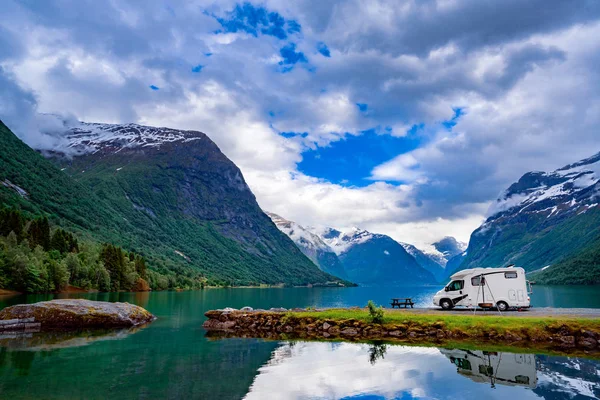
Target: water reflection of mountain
(494, 367)
(568, 378)
(308, 370)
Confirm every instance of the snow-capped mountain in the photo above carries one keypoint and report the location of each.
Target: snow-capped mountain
(374, 258)
(170, 194)
(542, 219)
(364, 257)
(428, 261)
(449, 247)
(341, 242)
(571, 189)
(441, 259)
(311, 245)
(83, 137)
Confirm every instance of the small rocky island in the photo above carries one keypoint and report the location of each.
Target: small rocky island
(72, 314)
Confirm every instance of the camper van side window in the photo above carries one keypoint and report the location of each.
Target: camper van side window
(510, 275)
(476, 281)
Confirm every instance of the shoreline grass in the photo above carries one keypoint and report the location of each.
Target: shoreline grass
(472, 325)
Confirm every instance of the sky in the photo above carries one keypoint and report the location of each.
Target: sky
(406, 118)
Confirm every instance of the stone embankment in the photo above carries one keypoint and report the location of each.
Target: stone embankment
(564, 335)
(66, 314)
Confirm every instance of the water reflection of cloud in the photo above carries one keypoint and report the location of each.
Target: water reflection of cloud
(320, 371)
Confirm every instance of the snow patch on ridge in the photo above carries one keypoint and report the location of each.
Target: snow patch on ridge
(346, 240)
(568, 188)
(72, 137)
(299, 235)
(92, 137)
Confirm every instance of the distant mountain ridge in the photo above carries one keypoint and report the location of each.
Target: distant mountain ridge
(311, 245)
(449, 247)
(427, 260)
(167, 194)
(365, 257)
(544, 219)
(375, 258)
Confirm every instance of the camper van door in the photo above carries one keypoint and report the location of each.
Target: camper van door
(456, 292)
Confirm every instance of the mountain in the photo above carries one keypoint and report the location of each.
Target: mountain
(311, 245)
(169, 195)
(427, 261)
(373, 258)
(546, 219)
(449, 247)
(444, 257)
(454, 263)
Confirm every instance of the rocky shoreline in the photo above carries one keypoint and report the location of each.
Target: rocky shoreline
(564, 335)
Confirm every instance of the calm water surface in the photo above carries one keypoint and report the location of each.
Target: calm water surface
(172, 358)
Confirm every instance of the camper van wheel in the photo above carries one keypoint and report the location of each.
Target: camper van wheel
(502, 306)
(446, 304)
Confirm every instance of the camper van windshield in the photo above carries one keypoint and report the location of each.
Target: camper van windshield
(455, 285)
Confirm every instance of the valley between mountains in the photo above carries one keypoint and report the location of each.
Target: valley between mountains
(174, 199)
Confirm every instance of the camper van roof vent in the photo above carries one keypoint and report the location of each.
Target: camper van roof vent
(510, 266)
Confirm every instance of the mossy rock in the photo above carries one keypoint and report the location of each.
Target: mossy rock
(80, 313)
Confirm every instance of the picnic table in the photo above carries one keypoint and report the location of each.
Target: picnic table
(402, 301)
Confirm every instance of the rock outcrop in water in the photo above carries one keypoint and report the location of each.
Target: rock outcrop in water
(78, 314)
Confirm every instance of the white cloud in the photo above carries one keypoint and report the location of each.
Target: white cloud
(342, 370)
(529, 88)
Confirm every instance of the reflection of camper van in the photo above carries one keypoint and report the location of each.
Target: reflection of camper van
(495, 368)
(485, 287)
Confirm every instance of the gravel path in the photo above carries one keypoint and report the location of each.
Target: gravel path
(532, 312)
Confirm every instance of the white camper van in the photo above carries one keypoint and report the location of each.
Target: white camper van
(503, 288)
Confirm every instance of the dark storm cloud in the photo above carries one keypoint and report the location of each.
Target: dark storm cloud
(417, 27)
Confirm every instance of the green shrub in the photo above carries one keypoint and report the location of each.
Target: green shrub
(376, 313)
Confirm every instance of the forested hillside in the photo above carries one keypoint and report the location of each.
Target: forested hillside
(582, 269)
(38, 258)
(182, 205)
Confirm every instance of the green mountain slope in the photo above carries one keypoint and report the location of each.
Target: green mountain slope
(545, 220)
(581, 269)
(182, 205)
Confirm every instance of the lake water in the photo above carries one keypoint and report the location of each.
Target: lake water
(173, 358)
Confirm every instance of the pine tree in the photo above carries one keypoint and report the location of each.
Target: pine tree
(39, 233)
(140, 267)
(11, 221)
(59, 242)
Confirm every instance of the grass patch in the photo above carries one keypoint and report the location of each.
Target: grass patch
(465, 323)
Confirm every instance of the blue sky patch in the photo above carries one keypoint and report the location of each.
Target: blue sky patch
(289, 135)
(153, 87)
(291, 56)
(350, 161)
(458, 112)
(257, 19)
(197, 68)
(293, 26)
(323, 49)
(362, 107)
